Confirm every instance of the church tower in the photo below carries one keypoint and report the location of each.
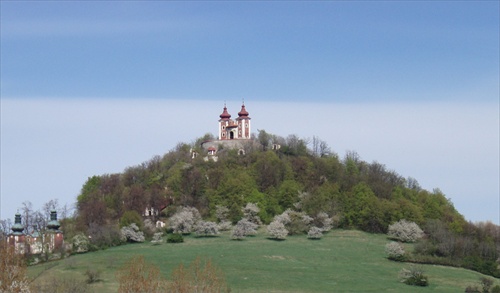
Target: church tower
(243, 123)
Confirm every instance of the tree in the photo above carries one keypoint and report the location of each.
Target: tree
(243, 228)
(184, 220)
(132, 233)
(206, 228)
(200, 277)
(250, 212)
(12, 270)
(405, 231)
(138, 276)
(394, 251)
(315, 233)
(277, 230)
(413, 276)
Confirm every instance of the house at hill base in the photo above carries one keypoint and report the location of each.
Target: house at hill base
(36, 242)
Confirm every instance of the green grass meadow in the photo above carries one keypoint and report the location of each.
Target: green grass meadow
(342, 261)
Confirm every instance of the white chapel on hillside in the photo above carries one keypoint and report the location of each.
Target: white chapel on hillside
(234, 129)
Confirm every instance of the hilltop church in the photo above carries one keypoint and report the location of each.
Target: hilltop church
(233, 134)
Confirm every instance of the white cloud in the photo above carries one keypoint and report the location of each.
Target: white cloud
(49, 147)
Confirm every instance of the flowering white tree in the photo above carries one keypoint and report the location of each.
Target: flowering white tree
(184, 220)
(394, 250)
(222, 212)
(315, 233)
(131, 233)
(324, 221)
(295, 222)
(206, 229)
(80, 243)
(250, 212)
(277, 230)
(405, 231)
(244, 228)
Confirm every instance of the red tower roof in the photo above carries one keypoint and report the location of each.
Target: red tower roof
(225, 115)
(243, 111)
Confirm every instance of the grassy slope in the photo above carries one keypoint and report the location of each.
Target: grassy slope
(343, 261)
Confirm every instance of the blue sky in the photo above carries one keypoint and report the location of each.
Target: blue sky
(93, 87)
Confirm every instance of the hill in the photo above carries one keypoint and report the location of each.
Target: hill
(342, 261)
(277, 174)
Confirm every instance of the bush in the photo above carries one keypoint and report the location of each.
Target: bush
(157, 238)
(495, 289)
(80, 243)
(277, 230)
(138, 276)
(175, 238)
(405, 231)
(131, 233)
(323, 221)
(92, 275)
(184, 220)
(315, 233)
(225, 226)
(414, 276)
(395, 251)
(206, 229)
(200, 276)
(243, 228)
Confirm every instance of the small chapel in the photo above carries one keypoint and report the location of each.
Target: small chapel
(234, 129)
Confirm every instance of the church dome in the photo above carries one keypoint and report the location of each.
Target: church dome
(17, 228)
(53, 224)
(225, 115)
(243, 111)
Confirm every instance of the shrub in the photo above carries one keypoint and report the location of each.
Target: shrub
(206, 229)
(92, 275)
(225, 226)
(323, 221)
(405, 231)
(315, 233)
(472, 289)
(495, 289)
(200, 276)
(175, 238)
(414, 276)
(80, 243)
(61, 285)
(12, 270)
(131, 233)
(277, 230)
(157, 238)
(395, 251)
(138, 276)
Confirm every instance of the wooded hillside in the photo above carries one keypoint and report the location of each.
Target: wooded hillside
(357, 194)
